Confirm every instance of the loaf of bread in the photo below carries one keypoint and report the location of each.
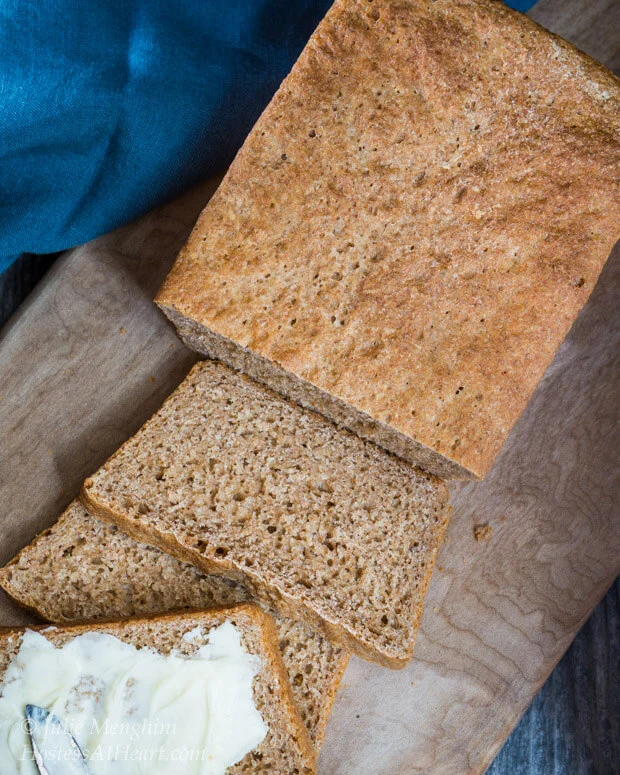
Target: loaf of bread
(82, 569)
(412, 225)
(286, 748)
(316, 522)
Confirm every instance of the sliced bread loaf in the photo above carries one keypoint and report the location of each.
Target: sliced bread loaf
(286, 748)
(412, 226)
(81, 569)
(318, 523)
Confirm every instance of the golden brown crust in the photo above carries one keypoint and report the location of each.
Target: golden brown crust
(330, 697)
(27, 605)
(272, 651)
(270, 655)
(415, 221)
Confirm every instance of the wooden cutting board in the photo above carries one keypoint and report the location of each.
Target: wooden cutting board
(89, 358)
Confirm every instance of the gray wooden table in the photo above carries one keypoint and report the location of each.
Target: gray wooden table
(573, 725)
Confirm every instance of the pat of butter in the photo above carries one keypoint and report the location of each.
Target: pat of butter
(135, 711)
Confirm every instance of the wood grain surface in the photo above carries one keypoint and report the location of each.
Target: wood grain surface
(87, 360)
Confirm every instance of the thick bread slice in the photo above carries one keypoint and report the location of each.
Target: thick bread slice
(287, 748)
(317, 523)
(412, 225)
(81, 569)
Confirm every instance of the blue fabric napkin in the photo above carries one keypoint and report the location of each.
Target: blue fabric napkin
(109, 108)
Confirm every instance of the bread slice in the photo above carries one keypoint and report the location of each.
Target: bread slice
(317, 523)
(286, 749)
(81, 569)
(412, 225)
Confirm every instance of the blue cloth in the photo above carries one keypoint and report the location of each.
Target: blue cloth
(109, 108)
(521, 5)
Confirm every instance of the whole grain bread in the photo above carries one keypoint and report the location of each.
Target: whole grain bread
(82, 569)
(412, 225)
(287, 748)
(316, 522)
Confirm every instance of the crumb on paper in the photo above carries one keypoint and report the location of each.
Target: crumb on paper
(483, 532)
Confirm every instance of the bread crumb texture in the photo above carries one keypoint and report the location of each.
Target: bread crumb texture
(82, 569)
(286, 750)
(319, 524)
(412, 226)
(483, 532)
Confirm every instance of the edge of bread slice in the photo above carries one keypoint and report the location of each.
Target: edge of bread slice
(211, 344)
(317, 523)
(286, 749)
(82, 569)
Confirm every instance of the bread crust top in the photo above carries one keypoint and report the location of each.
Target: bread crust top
(417, 217)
